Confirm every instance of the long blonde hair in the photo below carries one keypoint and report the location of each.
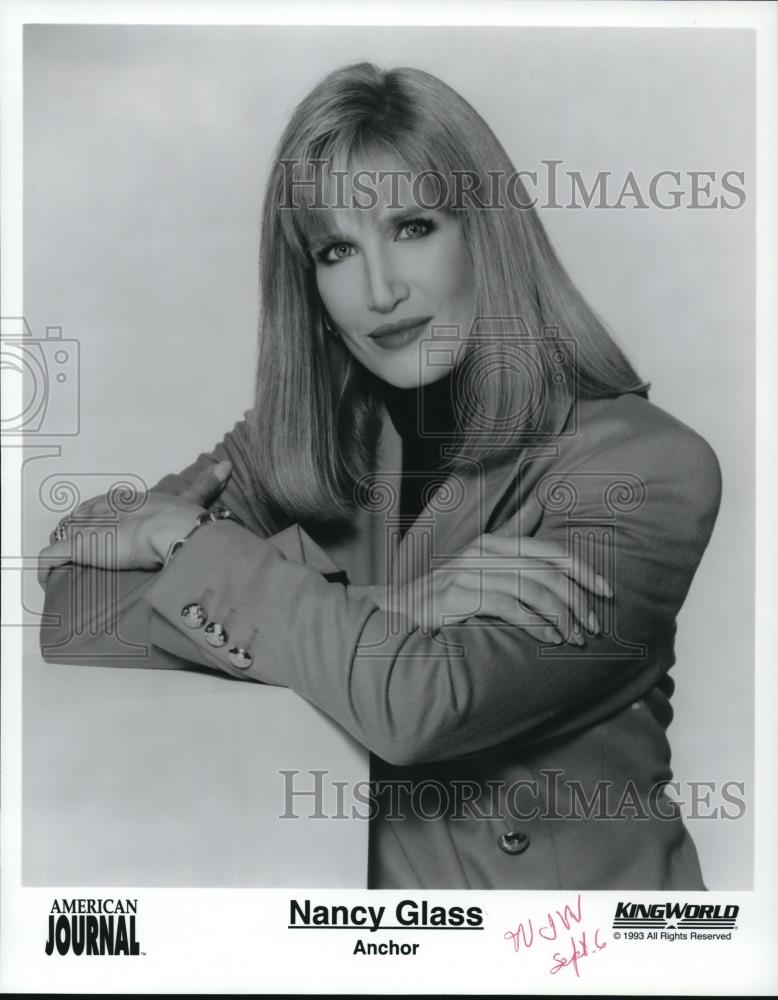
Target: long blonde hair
(539, 345)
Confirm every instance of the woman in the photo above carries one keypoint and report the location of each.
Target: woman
(486, 530)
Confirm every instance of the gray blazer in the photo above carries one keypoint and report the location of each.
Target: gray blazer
(513, 764)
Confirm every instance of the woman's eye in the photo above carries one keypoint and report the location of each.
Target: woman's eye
(340, 251)
(334, 252)
(414, 228)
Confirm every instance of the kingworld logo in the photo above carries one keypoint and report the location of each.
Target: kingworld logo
(672, 916)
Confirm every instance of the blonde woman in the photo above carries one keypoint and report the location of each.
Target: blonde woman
(453, 521)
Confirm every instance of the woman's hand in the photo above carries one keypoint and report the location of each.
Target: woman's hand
(544, 591)
(137, 537)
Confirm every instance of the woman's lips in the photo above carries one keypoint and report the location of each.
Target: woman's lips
(392, 340)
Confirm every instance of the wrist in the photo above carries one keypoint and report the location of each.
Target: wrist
(202, 518)
(172, 527)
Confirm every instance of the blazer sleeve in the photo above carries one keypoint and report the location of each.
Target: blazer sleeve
(99, 617)
(477, 686)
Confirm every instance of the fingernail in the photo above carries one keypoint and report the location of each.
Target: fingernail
(222, 471)
(594, 625)
(603, 587)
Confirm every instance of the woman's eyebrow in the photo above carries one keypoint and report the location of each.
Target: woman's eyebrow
(393, 218)
(317, 241)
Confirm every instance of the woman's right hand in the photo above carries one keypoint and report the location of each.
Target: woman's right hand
(138, 537)
(544, 591)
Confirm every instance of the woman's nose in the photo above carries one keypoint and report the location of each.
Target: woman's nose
(385, 288)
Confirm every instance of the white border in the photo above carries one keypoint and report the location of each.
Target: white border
(229, 923)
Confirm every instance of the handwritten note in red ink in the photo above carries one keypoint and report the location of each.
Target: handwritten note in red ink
(564, 929)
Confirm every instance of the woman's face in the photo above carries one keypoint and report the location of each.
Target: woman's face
(390, 274)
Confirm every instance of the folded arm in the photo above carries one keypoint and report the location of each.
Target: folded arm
(98, 615)
(410, 696)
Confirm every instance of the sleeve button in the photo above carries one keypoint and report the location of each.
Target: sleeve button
(193, 615)
(240, 658)
(215, 634)
(513, 843)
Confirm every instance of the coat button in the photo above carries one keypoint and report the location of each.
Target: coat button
(513, 843)
(240, 658)
(193, 615)
(215, 634)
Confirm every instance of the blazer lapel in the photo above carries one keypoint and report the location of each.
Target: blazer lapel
(373, 547)
(461, 508)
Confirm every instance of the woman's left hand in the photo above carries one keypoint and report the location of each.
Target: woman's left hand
(139, 538)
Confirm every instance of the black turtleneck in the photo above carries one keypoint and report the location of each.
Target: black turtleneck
(421, 417)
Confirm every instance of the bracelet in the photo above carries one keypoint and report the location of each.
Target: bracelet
(207, 517)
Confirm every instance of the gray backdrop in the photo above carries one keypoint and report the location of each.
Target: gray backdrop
(146, 152)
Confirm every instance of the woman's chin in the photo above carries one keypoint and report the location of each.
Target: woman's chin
(410, 375)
